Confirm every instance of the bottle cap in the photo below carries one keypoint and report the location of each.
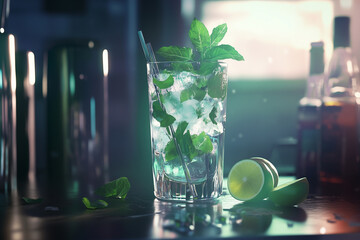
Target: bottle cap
(317, 58)
(341, 31)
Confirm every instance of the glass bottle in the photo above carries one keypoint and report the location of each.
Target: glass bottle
(77, 103)
(309, 118)
(339, 153)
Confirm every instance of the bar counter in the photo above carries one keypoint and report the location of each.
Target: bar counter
(142, 216)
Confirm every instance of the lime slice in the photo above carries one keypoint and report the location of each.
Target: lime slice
(291, 193)
(271, 167)
(250, 180)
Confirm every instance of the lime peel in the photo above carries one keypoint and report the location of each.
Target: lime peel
(272, 168)
(291, 193)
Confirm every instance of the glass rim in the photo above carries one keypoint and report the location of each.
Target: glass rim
(167, 62)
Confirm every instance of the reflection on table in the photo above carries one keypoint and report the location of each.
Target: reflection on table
(143, 216)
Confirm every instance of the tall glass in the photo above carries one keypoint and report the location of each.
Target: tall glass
(187, 117)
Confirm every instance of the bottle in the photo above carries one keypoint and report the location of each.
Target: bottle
(339, 152)
(309, 118)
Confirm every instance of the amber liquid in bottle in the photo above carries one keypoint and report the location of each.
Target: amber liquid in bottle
(309, 120)
(339, 155)
(339, 130)
(308, 143)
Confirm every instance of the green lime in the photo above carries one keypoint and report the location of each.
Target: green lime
(250, 180)
(291, 193)
(271, 167)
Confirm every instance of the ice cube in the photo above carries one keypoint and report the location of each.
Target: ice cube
(187, 111)
(197, 170)
(159, 136)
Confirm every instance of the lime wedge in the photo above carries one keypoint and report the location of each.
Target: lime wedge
(250, 180)
(272, 168)
(291, 193)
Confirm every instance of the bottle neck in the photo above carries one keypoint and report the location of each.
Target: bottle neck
(315, 80)
(342, 32)
(316, 61)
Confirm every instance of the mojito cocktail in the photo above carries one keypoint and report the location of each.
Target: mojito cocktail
(187, 96)
(187, 117)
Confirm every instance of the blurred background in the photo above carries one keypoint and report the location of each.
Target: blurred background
(274, 37)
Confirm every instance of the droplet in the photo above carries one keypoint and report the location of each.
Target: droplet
(91, 44)
(235, 219)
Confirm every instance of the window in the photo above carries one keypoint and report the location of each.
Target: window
(273, 36)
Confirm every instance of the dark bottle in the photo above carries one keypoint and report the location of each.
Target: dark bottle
(77, 156)
(339, 155)
(309, 118)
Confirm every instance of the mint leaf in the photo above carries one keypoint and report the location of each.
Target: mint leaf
(32, 200)
(170, 151)
(170, 148)
(202, 142)
(185, 143)
(94, 205)
(117, 188)
(217, 86)
(222, 52)
(218, 34)
(185, 95)
(199, 35)
(187, 147)
(201, 82)
(207, 67)
(181, 129)
(161, 116)
(164, 84)
(174, 53)
(200, 111)
(182, 66)
(192, 92)
(212, 115)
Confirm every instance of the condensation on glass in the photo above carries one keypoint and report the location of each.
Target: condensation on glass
(187, 124)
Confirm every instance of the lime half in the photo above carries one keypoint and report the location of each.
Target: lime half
(272, 168)
(250, 180)
(291, 193)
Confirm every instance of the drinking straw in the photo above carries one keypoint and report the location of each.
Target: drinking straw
(150, 57)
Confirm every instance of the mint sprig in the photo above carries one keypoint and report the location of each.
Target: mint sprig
(210, 80)
(206, 47)
(184, 141)
(190, 145)
(117, 188)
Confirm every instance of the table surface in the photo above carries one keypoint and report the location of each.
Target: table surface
(325, 216)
